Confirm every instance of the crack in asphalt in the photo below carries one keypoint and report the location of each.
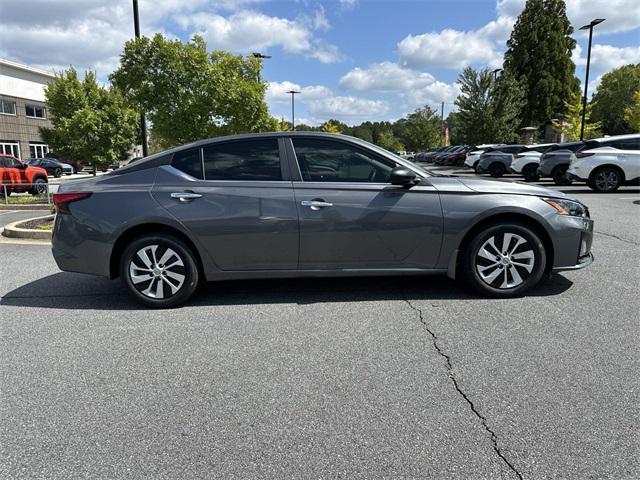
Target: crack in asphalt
(617, 238)
(452, 377)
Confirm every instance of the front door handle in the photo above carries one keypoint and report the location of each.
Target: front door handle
(316, 204)
(185, 196)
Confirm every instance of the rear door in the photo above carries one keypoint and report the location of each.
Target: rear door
(352, 218)
(237, 198)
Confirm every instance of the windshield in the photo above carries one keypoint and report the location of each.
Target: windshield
(414, 165)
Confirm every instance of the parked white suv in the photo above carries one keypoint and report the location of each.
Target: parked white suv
(606, 168)
(473, 156)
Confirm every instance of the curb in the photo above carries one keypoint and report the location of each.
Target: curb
(35, 206)
(13, 231)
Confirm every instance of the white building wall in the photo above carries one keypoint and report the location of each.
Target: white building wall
(22, 83)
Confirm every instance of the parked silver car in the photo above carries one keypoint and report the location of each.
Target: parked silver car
(309, 204)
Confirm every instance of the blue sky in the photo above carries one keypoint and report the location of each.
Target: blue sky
(353, 59)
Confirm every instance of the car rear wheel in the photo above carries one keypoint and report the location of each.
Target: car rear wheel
(605, 180)
(39, 187)
(504, 260)
(530, 173)
(497, 170)
(475, 166)
(558, 175)
(159, 270)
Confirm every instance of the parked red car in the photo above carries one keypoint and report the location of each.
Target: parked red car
(16, 176)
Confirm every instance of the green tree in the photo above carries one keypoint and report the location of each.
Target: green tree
(190, 94)
(388, 141)
(614, 94)
(420, 130)
(571, 123)
(538, 56)
(90, 124)
(632, 114)
(488, 109)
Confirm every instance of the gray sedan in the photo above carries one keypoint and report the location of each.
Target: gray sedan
(309, 204)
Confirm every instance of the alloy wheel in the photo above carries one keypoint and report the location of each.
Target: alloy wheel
(607, 180)
(505, 261)
(157, 272)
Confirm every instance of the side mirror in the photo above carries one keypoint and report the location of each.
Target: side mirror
(402, 176)
(21, 165)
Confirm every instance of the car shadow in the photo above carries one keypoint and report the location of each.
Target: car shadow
(83, 292)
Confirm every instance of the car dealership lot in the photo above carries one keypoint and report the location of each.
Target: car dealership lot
(372, 377)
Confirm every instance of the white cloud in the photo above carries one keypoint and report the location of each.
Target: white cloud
(277, 92)
(245, 31)
(449, 49)
(605, 58)
(385, 77)
(348, 4)
(433, 95)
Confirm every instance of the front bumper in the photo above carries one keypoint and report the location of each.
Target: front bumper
(583, 262)
(574, 177)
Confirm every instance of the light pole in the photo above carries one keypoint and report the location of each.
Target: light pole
(143, 121)
(496, 72)
(293, 108)
(260, 56)
(586, 81)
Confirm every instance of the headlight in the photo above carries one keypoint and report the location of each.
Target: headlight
(567, 207)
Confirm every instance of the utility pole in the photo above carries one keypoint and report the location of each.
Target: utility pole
(293, 108)
(143, 120)
(442, 120)
(586, 81)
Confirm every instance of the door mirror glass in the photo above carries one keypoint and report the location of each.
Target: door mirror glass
(402, 176)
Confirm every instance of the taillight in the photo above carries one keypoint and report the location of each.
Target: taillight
(62, 200)
(584, 154)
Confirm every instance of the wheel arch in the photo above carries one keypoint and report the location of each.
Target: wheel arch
(612, 166)
(135, 231)
(482, 223)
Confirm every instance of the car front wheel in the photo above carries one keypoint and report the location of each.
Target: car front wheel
(559, 177)
(497, 170)
(159, 270)
(504, 260)
(530, 173)
(57, 172)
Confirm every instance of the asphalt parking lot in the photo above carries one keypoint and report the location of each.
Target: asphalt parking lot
(380, 377)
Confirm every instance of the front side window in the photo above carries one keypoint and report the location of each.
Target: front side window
(323, 160)
(244, 160)
(189, 162)
(35, 111)
(7, 107)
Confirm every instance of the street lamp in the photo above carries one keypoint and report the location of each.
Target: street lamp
(496, 72)
(260, 55)
(293, 108)
(143, 121)
(589, 27)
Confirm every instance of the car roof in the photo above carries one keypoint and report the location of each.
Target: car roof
(617, 137)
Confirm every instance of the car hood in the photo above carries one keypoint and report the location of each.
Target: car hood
(482, 185)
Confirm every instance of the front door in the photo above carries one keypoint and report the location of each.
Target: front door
(233, 198)
(352, 218)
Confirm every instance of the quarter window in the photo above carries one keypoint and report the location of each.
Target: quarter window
(244, 160)
(35, 111)
(189, 162)
(323, 160)
(7, 107)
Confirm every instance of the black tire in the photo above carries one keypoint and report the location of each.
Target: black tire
(57, 172)
(530, 173)
(162, 278)
(39, 186)
(497, 170)
(558, 175)
(504, 285)
(606, 179)
(475, 166)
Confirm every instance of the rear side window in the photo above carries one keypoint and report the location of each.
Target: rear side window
(626, 144)
(244, 160)
(189, 162)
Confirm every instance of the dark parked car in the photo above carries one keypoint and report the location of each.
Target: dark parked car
(51, 165)
(496, 161)
(301, 204)
(454, 157)
(429, 155)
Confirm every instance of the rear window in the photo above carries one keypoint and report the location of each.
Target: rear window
(247, 160)
(624, 144)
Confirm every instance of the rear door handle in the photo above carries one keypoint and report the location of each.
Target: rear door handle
(315, 204)
(185, 196)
